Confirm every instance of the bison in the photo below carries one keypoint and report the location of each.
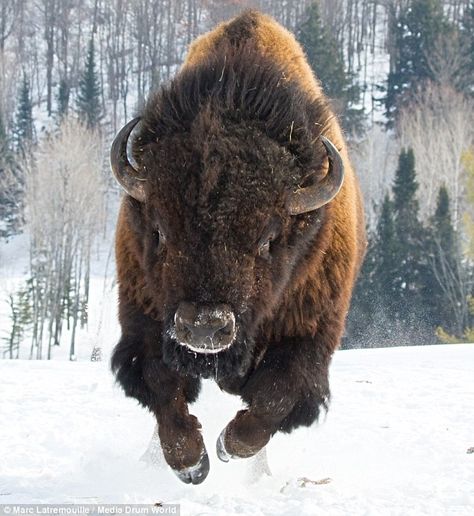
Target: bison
(237, 244)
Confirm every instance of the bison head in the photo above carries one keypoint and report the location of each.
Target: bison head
(227, 192)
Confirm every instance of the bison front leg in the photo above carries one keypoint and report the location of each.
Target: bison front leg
(178, 430)
(182, 443)
(166, 394)
(287, 390)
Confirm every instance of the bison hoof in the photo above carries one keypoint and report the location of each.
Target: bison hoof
(195, 474)
(228, 448)
(225, 455)
(222, 453)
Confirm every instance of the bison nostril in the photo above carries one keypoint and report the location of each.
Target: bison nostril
(202, 332)
(228, 329)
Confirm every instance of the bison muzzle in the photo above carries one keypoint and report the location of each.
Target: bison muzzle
(237, 244)
(204, 329)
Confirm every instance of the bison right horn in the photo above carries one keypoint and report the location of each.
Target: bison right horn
(123, 171)
(317, 195)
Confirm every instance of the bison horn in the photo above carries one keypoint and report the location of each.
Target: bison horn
(123, 171)
(317, 195)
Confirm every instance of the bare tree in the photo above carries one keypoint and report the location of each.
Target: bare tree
(449, 61)
(64, 191)
(438, 126)
(9, 13)
(375, 160)
(119, 56)
(49, 11)
(452, 276)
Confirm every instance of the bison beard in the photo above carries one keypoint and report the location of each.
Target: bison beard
(238, 243)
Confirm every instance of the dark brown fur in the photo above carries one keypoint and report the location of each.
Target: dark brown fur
(222, 146)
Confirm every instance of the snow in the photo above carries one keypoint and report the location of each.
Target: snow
(394, 442)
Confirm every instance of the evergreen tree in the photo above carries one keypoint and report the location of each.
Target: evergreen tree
(361, 321)
(21, 320)
(385, 276)
(443, 259)
(385, 255)
(326, 59)
(441, 222)
(88, 100)
(415, 31)
(405, 202)
(23, 129)
(467, 44)
(407, 226)
(370, 320)
(447, 290)
(412, 268)
(394, 295)
(4, 144)
(10, 187)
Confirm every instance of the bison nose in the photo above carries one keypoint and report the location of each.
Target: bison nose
(205, 329)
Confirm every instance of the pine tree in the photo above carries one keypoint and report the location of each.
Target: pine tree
(391, 290)
(448, 294)
(21, 320)
(361, 321)
(23, 129)
(407, 226)
(325, 58)
(6, 204)
(385, 255)
(415, 30)
(467, 44)
(405, 202)
(88, 99)
(11, 187)
(443, 259)
(394, 292)
(384, 276)
(371, 322)
(412, 269)
(442, 223)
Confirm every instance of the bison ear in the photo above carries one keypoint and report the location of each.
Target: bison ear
(317, 195)
(123, 171)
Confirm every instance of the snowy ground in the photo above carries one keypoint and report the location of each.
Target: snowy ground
(394, 442)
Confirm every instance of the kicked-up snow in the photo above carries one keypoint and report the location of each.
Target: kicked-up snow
(395, 441)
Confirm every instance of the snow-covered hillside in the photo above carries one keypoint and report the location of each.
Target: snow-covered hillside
(395, 441)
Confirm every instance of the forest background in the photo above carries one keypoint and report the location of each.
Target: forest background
(399, 73)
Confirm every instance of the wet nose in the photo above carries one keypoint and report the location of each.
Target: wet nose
(205, 329)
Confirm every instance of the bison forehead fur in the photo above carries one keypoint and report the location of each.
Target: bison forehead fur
(221, 148)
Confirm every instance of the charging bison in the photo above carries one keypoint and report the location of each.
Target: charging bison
(237, 244)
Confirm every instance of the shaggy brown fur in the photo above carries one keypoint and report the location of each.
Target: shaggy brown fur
(222, 146)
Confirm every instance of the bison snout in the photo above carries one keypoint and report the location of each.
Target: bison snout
(204, 329)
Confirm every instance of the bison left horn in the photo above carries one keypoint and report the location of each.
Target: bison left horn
(317, 195)
(123, 171)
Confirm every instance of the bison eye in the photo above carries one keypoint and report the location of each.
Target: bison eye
(264, 249)
(159, 237)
